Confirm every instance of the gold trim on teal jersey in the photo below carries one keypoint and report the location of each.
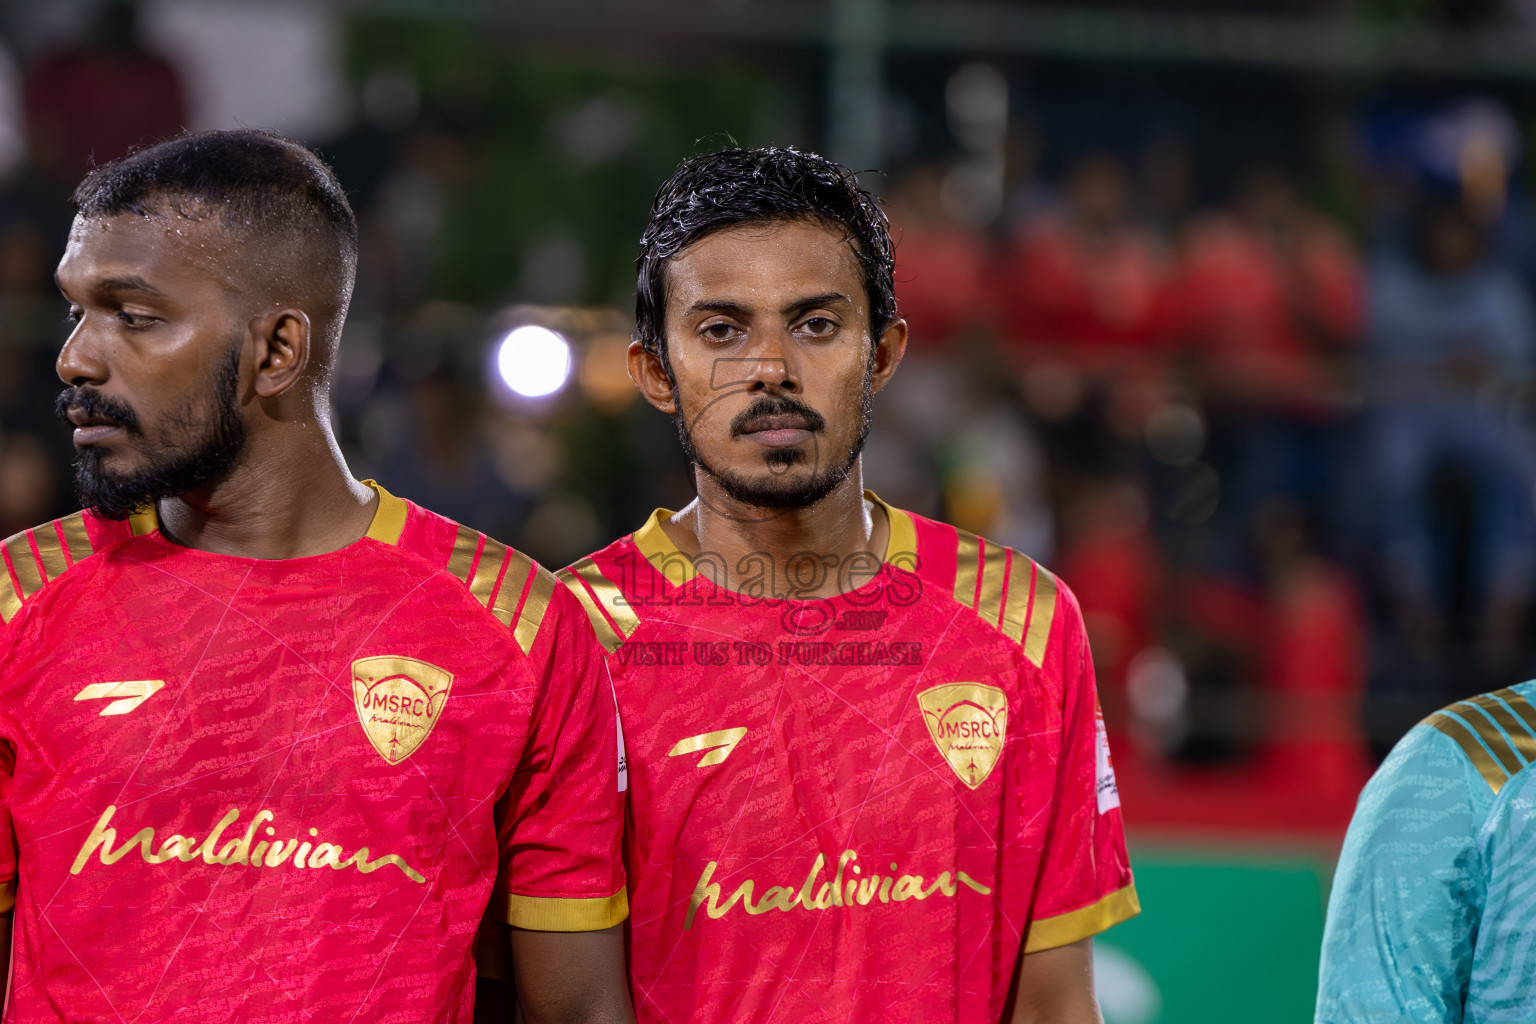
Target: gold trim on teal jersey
(1496, 731)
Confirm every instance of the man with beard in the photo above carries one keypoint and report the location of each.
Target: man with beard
(868, 779)
(271, 739)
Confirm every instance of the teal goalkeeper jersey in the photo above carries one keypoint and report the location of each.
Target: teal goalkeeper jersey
(1433, 912)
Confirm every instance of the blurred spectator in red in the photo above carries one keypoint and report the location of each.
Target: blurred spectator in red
(1109, 558)
(1266, 293)
(91, 103)
(1087, 280)
(941, 263)
(1313, 666)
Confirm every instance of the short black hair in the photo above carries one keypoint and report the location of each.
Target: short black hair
(259, 184)
(752, 186)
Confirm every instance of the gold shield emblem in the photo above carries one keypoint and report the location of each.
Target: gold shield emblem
(967, 722)
(398, 701)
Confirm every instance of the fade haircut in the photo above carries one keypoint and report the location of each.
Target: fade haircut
(711, 193)
(267, 191)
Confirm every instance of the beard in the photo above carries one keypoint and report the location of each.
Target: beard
(203, 449)
(782, 492)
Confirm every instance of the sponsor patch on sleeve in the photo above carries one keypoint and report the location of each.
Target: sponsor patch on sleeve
(1104, 772)
(618, 728)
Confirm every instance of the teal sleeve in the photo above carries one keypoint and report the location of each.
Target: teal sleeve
(1504, 966)
(1409, 890)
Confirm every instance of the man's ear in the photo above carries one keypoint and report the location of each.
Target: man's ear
(282, 350)
(651, 377)
(889, 348)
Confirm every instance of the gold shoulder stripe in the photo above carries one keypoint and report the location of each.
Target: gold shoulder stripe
(50, 550)
(389, 518)
(994, 574)
(541, 588)
(607, 635)
(1042, 612)
(1065, 929)
(543, 914)
(1521, 708)
(967, 568)
(1485, 765)
(1021, 577)
(611, 597)
(77, 537)
(493, 559)
(1515, 734)
(10, 597)
(465, 547)
(515, 579)
(24, 563)
(1492, 736)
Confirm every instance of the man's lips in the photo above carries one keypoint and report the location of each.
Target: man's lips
(777, 431)
(91, 429)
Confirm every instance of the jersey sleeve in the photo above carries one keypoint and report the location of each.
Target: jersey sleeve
(7, 832)
(1085, 881)
(560, 832)
(1503, 982)
(1409, 890)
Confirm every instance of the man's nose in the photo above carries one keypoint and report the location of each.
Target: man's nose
(771, 367)
(80, 361)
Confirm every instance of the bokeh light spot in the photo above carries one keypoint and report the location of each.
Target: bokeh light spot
(534, 361)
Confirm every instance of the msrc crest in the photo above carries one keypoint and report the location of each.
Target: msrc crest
(968, 722)
(398, 701)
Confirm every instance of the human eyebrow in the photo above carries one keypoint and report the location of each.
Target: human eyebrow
(828, 299)
(126, 284)
(725, 306)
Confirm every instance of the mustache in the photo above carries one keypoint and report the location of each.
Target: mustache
(777, 405)
(97, 406)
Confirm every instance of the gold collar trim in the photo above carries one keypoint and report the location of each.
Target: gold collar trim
(658, 549)
(389, 518)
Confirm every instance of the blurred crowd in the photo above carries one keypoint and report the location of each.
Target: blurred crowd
(1283, 455)
(1287, 467)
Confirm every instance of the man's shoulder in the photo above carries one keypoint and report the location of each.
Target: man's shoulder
(1491, 736)
(508, 585)
(1008, 591)
(35, 560)
(598, 583)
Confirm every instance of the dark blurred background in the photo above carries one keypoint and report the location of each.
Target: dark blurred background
(1222, 310)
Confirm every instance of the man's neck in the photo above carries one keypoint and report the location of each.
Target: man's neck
(289, 496)
(834, 546)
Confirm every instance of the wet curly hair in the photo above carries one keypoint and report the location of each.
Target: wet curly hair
(770, 185)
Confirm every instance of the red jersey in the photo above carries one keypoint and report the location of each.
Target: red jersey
(860, 808)
(235, 790)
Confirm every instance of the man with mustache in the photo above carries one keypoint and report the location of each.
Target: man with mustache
(868, 779)
(272, 740)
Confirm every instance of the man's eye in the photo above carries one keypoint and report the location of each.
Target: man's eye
(717, 332)
(133, 320)
(819, 325)
(73, 315)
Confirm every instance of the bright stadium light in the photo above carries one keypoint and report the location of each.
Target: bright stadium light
(534, 361)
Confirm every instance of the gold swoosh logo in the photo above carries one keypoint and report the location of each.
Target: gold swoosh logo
(719, 744)
(129, 694)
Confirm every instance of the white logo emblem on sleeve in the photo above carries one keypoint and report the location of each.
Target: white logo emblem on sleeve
(1104, 772)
